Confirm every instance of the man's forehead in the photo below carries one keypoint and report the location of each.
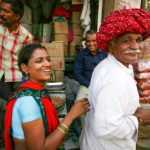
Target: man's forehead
(130, 35)
(93, 36)
(5, 5)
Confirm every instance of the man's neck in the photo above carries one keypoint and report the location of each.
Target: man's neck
(13, 27)
(94, 53)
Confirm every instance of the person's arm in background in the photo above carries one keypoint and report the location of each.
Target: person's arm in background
(79, 70)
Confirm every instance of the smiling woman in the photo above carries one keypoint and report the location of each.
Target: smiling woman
(34, 120)
(38, 67)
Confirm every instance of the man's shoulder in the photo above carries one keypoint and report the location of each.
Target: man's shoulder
(84, 51)
(108, 70)
(102, 52)
(24, 31)
(1, 27)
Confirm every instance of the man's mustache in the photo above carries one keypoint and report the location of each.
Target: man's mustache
(1, 17)
(132, 51)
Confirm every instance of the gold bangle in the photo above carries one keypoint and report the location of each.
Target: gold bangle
(63, 128)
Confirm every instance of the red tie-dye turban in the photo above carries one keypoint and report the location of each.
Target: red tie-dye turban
(122, 21)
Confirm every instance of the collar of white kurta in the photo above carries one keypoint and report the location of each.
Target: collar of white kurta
(128, 70)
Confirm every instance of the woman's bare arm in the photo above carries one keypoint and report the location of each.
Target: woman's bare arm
(35, 133)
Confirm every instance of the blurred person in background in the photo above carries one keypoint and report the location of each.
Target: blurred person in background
(12, 38)
(85, 63)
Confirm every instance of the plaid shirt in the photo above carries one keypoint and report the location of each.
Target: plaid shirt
(10, 46)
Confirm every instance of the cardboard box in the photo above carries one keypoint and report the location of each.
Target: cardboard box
(58, 63)
(111, 5)
(45, 33)
(108, 7)
(55, 49)
(77, 29)
(128, 4)
(74, 2)
(77, 40)
(66, 53)
(76, 17)
(61, 37)
(59, 75)
(60, 27)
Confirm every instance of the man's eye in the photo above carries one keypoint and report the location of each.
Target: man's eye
(139, 40)
(125, 41)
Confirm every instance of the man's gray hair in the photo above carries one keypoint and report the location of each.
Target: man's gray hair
(113, 41)
(90, 32)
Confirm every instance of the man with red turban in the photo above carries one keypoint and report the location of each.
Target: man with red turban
(112, 123)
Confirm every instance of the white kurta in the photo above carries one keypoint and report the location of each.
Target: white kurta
(113, 95)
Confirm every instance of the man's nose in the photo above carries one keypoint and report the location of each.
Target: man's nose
(134, 45)
(92, 42)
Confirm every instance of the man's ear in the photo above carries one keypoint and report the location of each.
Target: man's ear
(110, 48)
(17, 17)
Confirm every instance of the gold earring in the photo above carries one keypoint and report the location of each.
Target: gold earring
(27, 77)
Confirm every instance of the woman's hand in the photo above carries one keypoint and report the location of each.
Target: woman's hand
(79, 108)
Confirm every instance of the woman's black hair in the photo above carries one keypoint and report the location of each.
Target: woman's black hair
(26, 53)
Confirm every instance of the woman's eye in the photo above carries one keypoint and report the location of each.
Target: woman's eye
(38, 60)
(48, 59)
